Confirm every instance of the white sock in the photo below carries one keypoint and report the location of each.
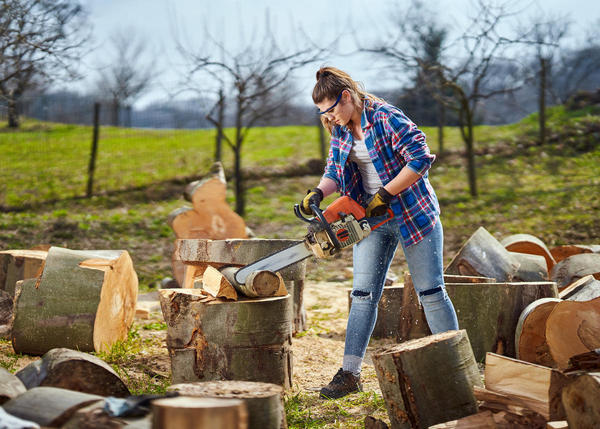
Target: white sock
(352, 364)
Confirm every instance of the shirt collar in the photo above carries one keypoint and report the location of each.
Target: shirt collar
(366, 119)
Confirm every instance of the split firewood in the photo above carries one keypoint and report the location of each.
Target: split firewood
(572, 328)
(73, 370)
(532, 268)
(530, 334)
(584, 289)
(409, 376)
(508, 412)
(84, 300)
(589, 361)
(483, 255)
(535, 387)
(264, 401)
(18, 265)
(530, 244)
(10, 386)
(581, 399)
(575, 267)
(216, 284)
(559, 424)
(48, 406)
(563, 252)
(482, 420)
(179, 412)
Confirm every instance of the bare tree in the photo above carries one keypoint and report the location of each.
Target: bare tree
(40, 41)
(128, 73)
(257, 79)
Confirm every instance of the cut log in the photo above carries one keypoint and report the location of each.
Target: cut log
(48, 406)
(533, 386)
(563, 252)
(389, 308)
(6, 307)
(95, 417)
(259, 284)
(84, 300)
(217, 285)
(10, 386)
(581, 399)
(413, 323)
(589, 361)
(199, 413)
(508, 411)
(483, 255)
(532, 268)
(575, 267)
(573, 328)
(248, 339)
(562, 424)
(483, 420)
(73, 370)
(530, 334)
(529, 244)
(18, 265)
(409, 376)
(584, 289)
(264, 401)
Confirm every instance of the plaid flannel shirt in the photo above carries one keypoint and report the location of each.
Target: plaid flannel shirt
(393, 142)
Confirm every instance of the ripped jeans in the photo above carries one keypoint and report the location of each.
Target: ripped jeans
(372, 259)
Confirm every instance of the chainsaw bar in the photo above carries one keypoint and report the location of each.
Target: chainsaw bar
(276, 261)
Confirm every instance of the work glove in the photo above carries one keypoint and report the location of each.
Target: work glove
(379, 204)
(313, 196)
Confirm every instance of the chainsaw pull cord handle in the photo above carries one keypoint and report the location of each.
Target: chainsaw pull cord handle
(319, 215)
(389, 218)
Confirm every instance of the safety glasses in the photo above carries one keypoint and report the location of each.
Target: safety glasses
(339, 97)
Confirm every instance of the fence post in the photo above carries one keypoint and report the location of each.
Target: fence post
(92, 165)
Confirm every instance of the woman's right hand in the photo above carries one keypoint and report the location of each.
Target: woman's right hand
(313, 196)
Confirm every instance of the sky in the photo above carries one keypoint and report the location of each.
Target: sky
(160, 22)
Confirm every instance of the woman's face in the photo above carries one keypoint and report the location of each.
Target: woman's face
(338, 111)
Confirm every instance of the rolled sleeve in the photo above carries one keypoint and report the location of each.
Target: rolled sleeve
(411, 143)
(330, 170)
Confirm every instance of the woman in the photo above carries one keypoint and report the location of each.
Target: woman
(380, 158)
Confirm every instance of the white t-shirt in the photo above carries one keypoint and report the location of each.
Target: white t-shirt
(360, 155)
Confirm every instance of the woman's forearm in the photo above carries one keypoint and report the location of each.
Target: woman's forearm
(402, 181)
(327, 186)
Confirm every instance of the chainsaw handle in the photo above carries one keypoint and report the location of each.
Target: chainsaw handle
(299, 214)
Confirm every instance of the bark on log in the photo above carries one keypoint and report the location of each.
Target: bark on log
(48, 406)
(483, 420)
(244, 252)
(73, 370)
(533, 386)
(246, 340)
(560, 253)
(264, 401)
(84, 300)
(581, 399)
(6, 307)
(584, 289)
(589, 361)
(573, 328)
(530, 334)
(389, 308)
(532, 268)
(199, 413)
(529, 244)
(483, 255)
(18, 265)
(409, 376)
(575, 267)
(10, 386)
(413, 323)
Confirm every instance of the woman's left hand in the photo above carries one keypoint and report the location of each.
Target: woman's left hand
(379, 204)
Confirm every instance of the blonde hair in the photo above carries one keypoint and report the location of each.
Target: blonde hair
(331, 82)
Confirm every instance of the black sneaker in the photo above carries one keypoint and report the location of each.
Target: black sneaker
(343, 383)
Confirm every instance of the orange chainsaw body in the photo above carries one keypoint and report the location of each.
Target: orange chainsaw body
(345, 205)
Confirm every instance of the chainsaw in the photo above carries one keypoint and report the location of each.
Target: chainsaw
(341, 225)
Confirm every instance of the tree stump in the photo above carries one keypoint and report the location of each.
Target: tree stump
(264, 401)
(572, 328)
(48, 406)
(201, 253)
(532, 268)
(529, 244)
(10, 386)
(18, 265)
(483, 255)
(581, 399)
(530, 334)
(388, 312)
(73, 370)
(198, 413)
(248, 339)
(575, 267)
(413, 323)
(428, 380)
(84, 300)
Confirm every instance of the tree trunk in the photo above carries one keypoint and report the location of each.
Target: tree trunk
(237, 340)
(240, 203)
(581, 399)
(199, 413)
(409, 376)
(48, 406)
(10, 386)
(441, 125)
(527, 243)
(73, 370)
(18, 265)
(13, 113)
(84, 300)
(470, 153)
(389, 310)
(322, 141)
(220, 125)
(116, 107)
(264, 401)
(542, 100)
(530, 334)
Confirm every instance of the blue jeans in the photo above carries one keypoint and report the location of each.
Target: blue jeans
(372, 259)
